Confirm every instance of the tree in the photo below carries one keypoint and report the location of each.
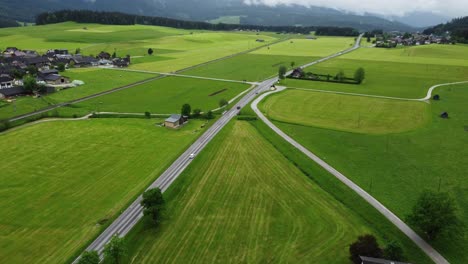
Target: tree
(282, 72)
(115, 250)
(223, 102)
(30, 83)
(434, 213)
(293, 64)
(366, 245)
(89, 257)
(209, 115)
(340, 76)
(61, 67)
(150, 51)
(147, 114)
(359, 75)
(197, 112)
(186, 110)
(368, 39)
(393, 251)
(153, 202)
(78, 51)
(31, 70)
(114, 55)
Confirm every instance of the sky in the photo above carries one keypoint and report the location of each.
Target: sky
(449, 8)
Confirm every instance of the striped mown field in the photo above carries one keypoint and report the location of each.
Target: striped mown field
(241, 201)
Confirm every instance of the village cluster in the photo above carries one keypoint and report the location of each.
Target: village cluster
(16, 65)
(393, 39)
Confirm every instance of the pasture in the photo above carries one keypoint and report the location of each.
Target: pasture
(62, 182)
(320, 47)
(166, 96)
(96, 80)
(395, 79)
(395, 168)
(242, 201)
(344, 112)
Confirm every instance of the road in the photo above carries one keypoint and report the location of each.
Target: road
(431, 252)
(130, 217)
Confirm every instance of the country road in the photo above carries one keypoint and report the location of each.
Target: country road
(431, 252)
(130, 217)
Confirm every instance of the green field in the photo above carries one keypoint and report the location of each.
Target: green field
(166, 96)
(59, 180)
(242, 201)
(96, 80)
(226, 20)
(344, 112)
(397, 79)
(320, 47)
(395, 168)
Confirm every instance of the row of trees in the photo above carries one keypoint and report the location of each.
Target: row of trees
(116, 18)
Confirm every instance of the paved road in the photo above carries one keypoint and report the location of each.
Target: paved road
(128, 219)
(431, 252)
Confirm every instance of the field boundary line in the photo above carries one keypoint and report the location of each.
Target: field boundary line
(46, 120)
(402, 226)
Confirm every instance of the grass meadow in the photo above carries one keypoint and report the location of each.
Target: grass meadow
(347, 113)
(395, 168)
(61, 181)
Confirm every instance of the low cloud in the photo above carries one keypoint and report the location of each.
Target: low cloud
(451, 8)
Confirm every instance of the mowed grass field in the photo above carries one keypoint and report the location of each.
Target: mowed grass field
(242, 201)
(344, 112)
(389, 75)
(96, 80)
(165, 96)
(60, 181)
(396, 168)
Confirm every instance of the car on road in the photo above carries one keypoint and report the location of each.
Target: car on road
(238, 107)
(192, 156)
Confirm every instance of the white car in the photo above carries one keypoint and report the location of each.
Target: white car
(192, 156)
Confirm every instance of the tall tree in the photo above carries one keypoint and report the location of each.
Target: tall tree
(293, 64)
(115, 250)
(223, 102)
(367, 246)
(186, 110)
(434, 213)
(393, 251)
(340, 76)
(30, 83)
(89, 257)
(359, 75)
(150, 51)
(282, 72)
(153, 204)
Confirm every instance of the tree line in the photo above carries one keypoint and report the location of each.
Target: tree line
(116, 18)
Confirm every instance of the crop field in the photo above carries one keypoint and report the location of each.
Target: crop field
(243, 193)
(96, 80)
(344, 112)
(166, 96)
(396, 79)
(395, 168)
(320, 47)
(62, 181)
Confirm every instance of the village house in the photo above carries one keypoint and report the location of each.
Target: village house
(55, 79)
(6, 81)
(175, 121)
(84, 61)
(104, 55)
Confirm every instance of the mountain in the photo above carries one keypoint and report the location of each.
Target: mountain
(458, 29)
(205, 10)
(420, 19)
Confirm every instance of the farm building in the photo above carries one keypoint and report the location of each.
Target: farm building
(55, 79)
(6, 82)
(175, 121)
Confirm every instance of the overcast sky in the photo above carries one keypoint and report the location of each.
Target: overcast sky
(449, 8)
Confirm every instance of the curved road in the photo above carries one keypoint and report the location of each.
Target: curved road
(431, 252)
(128, 219)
